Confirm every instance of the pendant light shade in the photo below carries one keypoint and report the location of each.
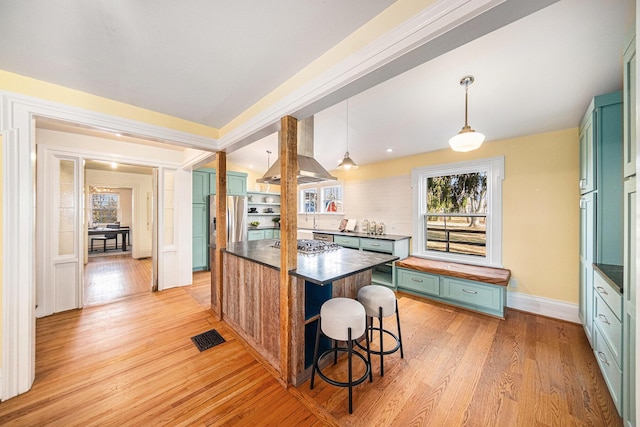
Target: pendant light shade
(467, 139)
(346, 162)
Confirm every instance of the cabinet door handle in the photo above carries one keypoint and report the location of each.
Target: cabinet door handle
(468, 291)
(603, 319)
(603, 358)
(416, 280)
(602, 290)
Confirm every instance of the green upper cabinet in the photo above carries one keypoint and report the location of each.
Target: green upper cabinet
(236, 184)
(629, 150)
(200, 189)
(601, 170)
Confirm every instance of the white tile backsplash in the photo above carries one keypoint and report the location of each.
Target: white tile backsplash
(384, 199)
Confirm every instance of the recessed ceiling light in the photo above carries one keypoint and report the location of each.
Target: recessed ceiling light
(250, 166)
(118, 135)
(389, 150)
(114, 165)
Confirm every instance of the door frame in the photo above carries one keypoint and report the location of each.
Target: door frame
(17, 127)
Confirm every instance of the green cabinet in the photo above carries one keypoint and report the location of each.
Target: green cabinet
(236, 182)
(607, 336)
(200, 187)
(200, 237)
(255, 235)
(629, 74)
(587, 258)
(601, 137)
(382, 274)
(203, 184)
(469, 294)
(629, 303)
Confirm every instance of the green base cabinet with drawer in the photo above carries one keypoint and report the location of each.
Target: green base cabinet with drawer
(382, 274)
(469, 294)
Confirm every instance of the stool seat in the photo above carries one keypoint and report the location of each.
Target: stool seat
(342, 319)
(340, 314)
(372, 297)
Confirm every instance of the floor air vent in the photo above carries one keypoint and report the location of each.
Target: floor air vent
(206, 340)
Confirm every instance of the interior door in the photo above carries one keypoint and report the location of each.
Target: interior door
(58, 236)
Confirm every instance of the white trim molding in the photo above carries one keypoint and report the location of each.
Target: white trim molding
(17, 118)
(543, 306)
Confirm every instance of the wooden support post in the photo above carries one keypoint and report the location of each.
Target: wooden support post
(288, 236)
(221, 233)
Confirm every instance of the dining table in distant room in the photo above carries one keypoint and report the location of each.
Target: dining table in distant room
(123, 231)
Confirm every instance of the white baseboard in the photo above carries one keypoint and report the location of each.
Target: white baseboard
(543, 306)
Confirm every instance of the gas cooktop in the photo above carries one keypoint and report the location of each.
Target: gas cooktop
(306, 246)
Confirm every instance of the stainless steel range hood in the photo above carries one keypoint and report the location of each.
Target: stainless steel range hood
(309, 170)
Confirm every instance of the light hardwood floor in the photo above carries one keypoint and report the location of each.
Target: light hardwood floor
(131, 362)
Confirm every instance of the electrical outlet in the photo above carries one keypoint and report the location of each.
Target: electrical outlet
(513, 282)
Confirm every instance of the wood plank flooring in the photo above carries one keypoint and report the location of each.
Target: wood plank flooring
(109, 278)
(131, 362)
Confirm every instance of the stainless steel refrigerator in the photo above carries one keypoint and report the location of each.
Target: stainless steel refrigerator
(236, 219)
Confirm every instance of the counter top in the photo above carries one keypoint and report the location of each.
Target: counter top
(318, 268)
(360, 235)
(612, 274)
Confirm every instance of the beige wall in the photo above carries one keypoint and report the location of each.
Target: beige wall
(540, 205)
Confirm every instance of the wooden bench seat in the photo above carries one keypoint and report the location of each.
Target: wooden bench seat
(493, 276)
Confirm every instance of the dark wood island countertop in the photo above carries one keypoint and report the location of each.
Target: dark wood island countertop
(320, 268)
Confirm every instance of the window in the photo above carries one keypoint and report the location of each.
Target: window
(458, 214)
(104, 207)
(309, 200)
(331, 199)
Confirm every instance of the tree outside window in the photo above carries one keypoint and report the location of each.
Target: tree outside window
(104, 207)
(456, 213)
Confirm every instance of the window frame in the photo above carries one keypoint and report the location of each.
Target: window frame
(494, 167)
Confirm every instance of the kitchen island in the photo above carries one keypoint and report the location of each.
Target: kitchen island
(251, 296)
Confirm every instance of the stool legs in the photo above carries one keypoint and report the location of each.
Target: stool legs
(399, 331)
(382, 331)
(350, 353)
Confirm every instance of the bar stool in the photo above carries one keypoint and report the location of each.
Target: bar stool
(342, 319)
(380, 301)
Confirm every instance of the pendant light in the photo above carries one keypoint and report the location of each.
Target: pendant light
(346, 162)
(467, 139)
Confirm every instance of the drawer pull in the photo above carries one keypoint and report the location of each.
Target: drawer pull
(603, 358)
(603, 319)
(375, 244)
(468, 291)
(602, 290)
(416, 280)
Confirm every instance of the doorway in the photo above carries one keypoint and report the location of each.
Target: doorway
(117, 264)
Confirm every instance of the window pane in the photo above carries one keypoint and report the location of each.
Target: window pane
(457, 193)
(104, 207)
(332, 199)
(457, 234)
(309, 200)
(462, 194)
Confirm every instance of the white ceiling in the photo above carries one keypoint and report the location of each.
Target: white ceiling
(209, 62)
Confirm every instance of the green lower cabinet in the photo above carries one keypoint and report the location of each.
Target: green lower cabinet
(200, 238)
(477, 296)
(264, 233)
(255, 235)
(418, 282)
